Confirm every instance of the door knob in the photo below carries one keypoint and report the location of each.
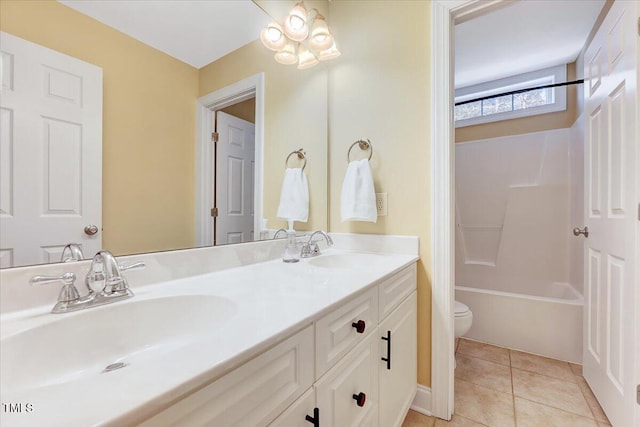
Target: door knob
(90, 230)
(585, 231)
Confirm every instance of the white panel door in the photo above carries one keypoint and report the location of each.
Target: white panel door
(611, 196)
(235, 168)
(50, 153)
(398, 365)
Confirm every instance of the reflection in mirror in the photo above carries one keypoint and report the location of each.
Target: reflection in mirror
(147, 161)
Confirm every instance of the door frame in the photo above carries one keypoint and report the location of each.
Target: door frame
(444, 15)
(252, 86)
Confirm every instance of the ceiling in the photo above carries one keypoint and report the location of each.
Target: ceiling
(525, 36)
(195, 32)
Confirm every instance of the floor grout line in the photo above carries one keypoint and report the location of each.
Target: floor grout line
(513, 392)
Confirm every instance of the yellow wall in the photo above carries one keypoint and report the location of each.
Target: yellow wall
(245, 110)
(295, 117)
(148, 125)
(542, 122)
(378, 89)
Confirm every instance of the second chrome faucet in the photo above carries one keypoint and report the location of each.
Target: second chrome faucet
(311, 248)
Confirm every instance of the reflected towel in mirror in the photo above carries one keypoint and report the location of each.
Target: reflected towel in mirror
(294, 197)
(358, 200)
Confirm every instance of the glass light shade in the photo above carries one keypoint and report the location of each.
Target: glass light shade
(295, 25)
(273, 37)
(287, 55)
(306, 59)
(321, 38)
(330, 53)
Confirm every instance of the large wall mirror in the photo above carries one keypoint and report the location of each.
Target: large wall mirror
(149, 159)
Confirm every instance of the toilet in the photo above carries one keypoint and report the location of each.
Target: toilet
(463, 319)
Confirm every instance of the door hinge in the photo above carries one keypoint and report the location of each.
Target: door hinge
(214, 212)
(638, 394)
(215, 136)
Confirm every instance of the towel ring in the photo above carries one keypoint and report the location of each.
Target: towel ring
(364, 145)
(301, 155)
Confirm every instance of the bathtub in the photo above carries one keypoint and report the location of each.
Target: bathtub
(548, 323)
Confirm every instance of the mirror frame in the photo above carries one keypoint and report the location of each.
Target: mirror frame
(244, 89)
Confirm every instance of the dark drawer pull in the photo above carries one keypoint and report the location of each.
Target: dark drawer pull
(360, 398)
(359, 325)
(388, 358)
(315, 420)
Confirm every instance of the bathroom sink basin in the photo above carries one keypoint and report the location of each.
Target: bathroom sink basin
(345, 260)
(84, 343)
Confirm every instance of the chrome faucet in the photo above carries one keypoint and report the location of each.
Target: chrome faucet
(72, 252)
(280, 230)
(311, 248)
(104, 271)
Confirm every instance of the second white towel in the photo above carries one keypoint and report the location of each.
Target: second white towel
(358, 200)
(294, 197)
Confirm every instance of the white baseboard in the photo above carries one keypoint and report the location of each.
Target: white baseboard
(422, 401)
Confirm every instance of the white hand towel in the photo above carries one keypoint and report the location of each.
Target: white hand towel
(358, 201)
(294, 197)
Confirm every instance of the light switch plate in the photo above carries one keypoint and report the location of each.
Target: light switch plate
(381, 204)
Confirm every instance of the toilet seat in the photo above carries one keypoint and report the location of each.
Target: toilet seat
(463, 319)
(461, 309)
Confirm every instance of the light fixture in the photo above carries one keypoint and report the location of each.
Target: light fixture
(273, 37)
(330, 53)
(321, 37)
(287, 55)
(296, 42)
(306, 59)
(295, 25)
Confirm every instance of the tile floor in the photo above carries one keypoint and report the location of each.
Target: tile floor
(498, 387)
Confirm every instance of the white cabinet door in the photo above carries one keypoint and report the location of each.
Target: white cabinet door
(347, 395)
(235, 168)
(300, 413)
(398, 362)
(611, 194)
(252, 395)
(50, 153)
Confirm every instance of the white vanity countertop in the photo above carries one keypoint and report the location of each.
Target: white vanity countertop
(272, 300)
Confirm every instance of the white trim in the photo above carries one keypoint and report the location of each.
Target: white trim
(422, 400)
(229, 95)
(443, 14)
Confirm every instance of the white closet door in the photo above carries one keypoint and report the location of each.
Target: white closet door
(50, 153)
(235, 169)
(611, 200)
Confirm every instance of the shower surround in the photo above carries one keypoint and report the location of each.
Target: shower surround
(517, 267)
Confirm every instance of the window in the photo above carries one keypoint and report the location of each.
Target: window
(506, 107)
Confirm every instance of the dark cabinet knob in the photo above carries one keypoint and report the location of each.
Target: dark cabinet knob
(359, 325)
(360, 398)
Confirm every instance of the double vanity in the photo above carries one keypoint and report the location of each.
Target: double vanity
(222, 336)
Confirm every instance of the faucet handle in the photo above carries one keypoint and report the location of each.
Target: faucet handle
(65, 279)
(134, 266)
(68, 291)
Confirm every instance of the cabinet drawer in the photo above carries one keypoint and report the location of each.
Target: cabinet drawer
(335, 333)
(253, 394)
(356, 373)
(396, 288)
